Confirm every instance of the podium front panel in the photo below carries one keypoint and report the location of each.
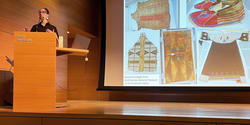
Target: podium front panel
(34, 71)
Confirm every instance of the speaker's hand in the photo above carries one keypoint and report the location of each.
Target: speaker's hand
(49, 31)
(26, 29)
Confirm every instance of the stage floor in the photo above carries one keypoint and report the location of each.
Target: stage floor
(153, 111)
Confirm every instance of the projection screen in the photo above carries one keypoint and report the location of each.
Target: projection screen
(177, 43)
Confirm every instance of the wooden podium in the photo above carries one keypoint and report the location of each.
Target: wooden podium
(35, 70)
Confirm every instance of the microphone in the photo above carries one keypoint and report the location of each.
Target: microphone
(41, 19)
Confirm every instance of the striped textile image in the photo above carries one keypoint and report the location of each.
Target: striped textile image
(143, 56)
(152, 14)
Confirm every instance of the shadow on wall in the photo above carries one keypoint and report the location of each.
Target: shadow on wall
(6, 88)
(6, 84)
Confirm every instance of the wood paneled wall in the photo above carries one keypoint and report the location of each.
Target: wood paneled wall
(18, 14)
(83, 76)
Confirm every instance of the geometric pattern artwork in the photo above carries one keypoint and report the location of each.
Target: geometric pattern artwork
(178, 56)
(143, 56)
(224, 37)
(152, 14)
(218, 12)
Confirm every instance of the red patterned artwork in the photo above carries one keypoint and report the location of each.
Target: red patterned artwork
(220, 12)
(152, 14)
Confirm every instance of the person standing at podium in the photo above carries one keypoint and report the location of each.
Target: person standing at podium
(44, 25)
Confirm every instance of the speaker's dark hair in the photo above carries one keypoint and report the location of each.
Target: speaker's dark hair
(47, 10)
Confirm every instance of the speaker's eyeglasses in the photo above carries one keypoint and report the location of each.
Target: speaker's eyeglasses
(42, 12)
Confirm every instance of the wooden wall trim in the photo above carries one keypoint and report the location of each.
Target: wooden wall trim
(202, 97)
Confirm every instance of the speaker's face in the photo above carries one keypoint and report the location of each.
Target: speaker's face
(43, 14)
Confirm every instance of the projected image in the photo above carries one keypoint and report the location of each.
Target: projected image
(186, 43)
(219, 14)
(178, 56)
(226, 59)
(143, 56)
(212, 13)
(152, 14)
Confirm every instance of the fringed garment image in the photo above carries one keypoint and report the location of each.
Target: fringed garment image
(224, 61)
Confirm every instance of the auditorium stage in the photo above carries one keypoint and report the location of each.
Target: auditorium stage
(136, 113)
